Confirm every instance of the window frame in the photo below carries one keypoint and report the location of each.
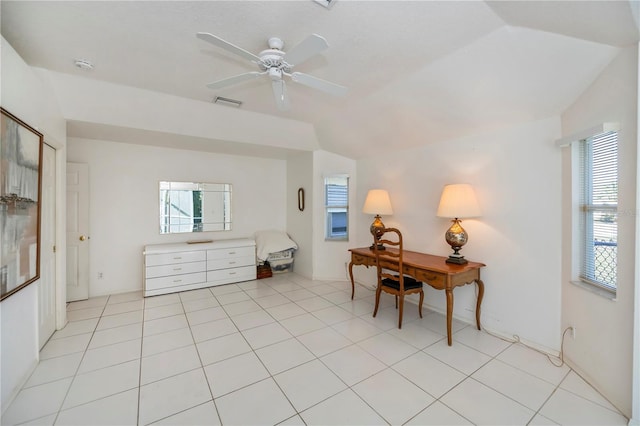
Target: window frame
(330, 209)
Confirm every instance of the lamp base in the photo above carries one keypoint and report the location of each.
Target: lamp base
(458, 260)
(380, 247)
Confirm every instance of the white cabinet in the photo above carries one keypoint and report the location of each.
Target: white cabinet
(169, 268)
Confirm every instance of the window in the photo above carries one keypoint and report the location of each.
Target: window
(598, 168)
(336, 201)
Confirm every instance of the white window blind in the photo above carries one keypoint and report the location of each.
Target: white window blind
(599, 210)
(337, 207)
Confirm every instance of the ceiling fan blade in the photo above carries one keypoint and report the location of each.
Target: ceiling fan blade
(319, 84)
(280, 94)
(217, 41)
(307, 48)
(234, 80)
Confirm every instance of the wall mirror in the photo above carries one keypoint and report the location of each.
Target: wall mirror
(194, 207)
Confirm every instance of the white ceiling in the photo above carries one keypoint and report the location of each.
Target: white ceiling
(417, 71)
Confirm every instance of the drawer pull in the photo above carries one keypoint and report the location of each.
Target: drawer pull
(232, 252)
(232, 263)
(177, 269)
(177, 281)
(232, 273)
(177, 258)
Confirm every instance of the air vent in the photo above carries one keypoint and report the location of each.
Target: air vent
(325, 3)
(226, 101)
(83, 64)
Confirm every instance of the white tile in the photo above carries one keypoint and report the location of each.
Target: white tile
(285, 311)
(438, 322)
(528, 390)
(229, 298)
(386, 319)
(162, 325)
(259, 337)
(125, 297)
(243, 307)
(458, 356)
(345, 408)
(301, 294)
(204, 315)
(260, 292)
(252, 319)
(101, 383)
(42, 421)
(353, 364)
(567, 408)
(268, 405)
(481, 341)
(65, 346)
(221, 348)
(94, 302)
(432, 375)
(201, 415)
(172, 395)
(166, 341)
(333, 315)
(116, 335)
(484, 406)
(50, 370)
(272, 300)
(356, 329)
(308, 384)
(219, 290)
(438, 414)
(83, 314)
(533, 363)
(324, 341)
(119, 308)
(249, 285)
(302, 324)
(119, 320)
(338, 297)
(313, 303)
(196, 305)
(576, 384)
(213, 329)
(164, 299)
(106, 356)
(394, 397)
(74, 328)
(358, 307)
(169, 363)
(37, 401)
(118, 409)
(540, 420)
(324, 289)
(235, 373)
(284, 355)
(387, 348)
(195, 295)
(163, 311)
(416, 335)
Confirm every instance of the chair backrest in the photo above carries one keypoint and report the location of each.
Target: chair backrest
(389, 259)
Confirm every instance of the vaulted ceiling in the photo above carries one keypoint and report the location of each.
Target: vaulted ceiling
(416, 71)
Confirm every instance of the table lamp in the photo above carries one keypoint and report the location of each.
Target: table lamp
(377, 203)
(458, 201)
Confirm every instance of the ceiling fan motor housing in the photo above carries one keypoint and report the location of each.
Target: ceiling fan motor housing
(273, 58)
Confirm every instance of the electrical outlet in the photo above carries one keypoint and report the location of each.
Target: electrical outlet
(100, 275)
(573, 333)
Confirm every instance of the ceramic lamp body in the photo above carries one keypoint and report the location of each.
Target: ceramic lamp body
(456, 236)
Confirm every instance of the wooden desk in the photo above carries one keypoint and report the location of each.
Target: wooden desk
(432, 270)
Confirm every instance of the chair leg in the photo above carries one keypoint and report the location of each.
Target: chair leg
(396, 302)
(378, 291)
(400, 313)
(420, 305)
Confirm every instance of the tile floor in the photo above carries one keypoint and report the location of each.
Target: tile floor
(287, 350)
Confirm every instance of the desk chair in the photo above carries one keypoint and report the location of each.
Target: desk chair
(389, 265)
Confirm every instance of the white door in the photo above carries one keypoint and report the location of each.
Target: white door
(47, 283)
(77, 231)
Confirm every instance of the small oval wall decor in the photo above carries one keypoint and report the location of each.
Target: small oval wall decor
(301, 199)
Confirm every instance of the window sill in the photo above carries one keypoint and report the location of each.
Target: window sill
(599, 291)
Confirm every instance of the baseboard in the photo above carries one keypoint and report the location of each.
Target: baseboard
(20, 385)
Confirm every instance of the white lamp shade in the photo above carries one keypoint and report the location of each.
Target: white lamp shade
(377, 202)
(458, 200)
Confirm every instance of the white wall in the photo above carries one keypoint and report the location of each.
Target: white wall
(124, 201)
(330, 257)
(603, 348)
(29, 97)
(300, 223)
(516, 176)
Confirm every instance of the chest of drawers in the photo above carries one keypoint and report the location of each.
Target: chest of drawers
(169, 268)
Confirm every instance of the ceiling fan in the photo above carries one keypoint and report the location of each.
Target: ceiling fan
(276, 63)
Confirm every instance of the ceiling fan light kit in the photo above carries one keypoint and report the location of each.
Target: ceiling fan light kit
(276, 63)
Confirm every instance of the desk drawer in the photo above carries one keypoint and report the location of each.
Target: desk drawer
(363, 260)
(434, 279)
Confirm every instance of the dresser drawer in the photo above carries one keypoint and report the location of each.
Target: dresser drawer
(232, 262)
(172, 258)
(175, 269)
(433, 279)
(224, 276)
(175, 281)
(230, 253)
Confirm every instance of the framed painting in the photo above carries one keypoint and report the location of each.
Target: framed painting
(20, 193)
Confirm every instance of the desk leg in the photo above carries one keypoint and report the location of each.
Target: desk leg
(479, 302)
(449, 313)
(353, 287)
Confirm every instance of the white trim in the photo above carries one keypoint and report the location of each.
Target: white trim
(593, 131)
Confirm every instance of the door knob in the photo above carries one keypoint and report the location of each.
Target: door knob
(82, 238)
